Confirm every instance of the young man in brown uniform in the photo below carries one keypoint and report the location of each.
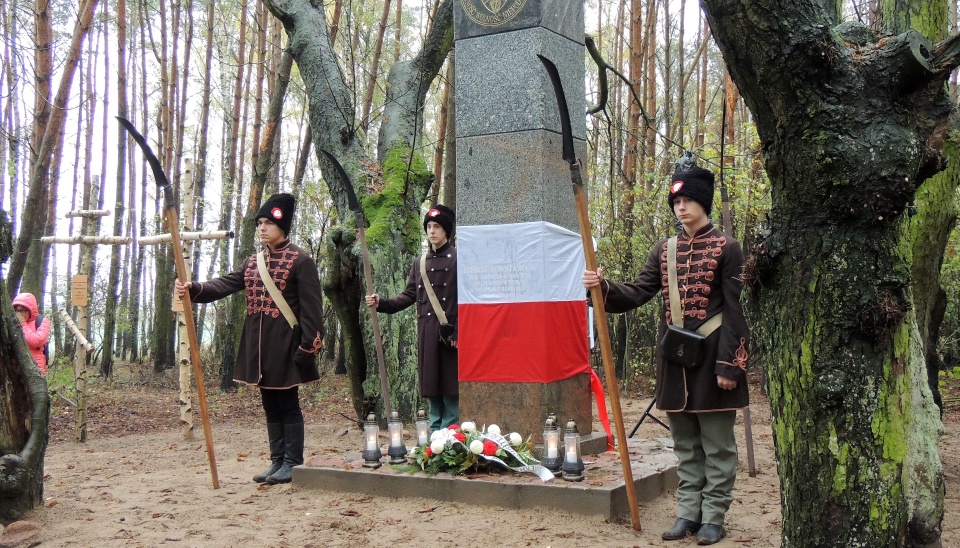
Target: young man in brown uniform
(274, 356)
(701, 399)
(437, 345)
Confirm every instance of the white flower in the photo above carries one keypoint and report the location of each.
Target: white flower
(437, 446)
(493, 429)
(468, 427)
(515, 439)
(476, 447)
(442, 434)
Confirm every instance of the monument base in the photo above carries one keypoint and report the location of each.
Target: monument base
(523, 407)
(603, 491)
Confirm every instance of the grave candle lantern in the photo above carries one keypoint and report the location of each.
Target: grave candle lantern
(572, 463)
(371, 449)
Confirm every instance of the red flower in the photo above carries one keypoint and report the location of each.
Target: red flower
(454, 427)
(460, 437)
(489, 448)
(429, 452)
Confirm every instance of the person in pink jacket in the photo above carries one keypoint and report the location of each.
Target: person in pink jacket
(37, 336)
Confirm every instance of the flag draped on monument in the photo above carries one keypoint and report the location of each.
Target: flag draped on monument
(522, 308)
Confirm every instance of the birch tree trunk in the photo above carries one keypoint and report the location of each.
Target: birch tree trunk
(186, 367)
(855, 426)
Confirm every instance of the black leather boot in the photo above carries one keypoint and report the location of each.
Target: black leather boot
(275, 433)
(292, 454)
(710, 534)
(680, 529)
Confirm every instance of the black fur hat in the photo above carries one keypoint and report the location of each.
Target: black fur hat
(279, 209)
(695, 183)
(443, 216)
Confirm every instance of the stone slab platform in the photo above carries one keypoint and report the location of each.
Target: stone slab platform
(602, 492)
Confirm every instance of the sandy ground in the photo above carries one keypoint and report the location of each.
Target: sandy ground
(150, 487)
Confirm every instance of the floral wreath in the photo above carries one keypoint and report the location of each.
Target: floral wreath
(463, 448)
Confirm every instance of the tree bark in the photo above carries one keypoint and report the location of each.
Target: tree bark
(119, 208)
(855, 426)
(24, 409)
(31, 225)
(374, 67)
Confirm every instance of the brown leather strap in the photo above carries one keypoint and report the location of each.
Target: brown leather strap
(274, 292)
(428, 287)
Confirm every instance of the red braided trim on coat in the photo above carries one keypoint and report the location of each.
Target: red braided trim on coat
(741, 355)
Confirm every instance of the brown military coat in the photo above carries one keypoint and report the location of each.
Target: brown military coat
(709, 267)
(437, 362)
(269, 355)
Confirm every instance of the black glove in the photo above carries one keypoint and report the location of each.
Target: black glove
(448, 333)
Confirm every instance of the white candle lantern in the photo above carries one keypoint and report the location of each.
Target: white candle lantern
(371, 448)
(423, 428)
(551, 445)
(397, 449)
(572, 463)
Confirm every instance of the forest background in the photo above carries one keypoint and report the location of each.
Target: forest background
(224, 106)
(198, 80)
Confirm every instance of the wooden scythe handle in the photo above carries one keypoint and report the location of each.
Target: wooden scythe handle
(367, 274)
(174, 224)
(606, 351)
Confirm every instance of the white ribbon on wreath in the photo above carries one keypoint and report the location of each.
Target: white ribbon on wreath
(503, 443)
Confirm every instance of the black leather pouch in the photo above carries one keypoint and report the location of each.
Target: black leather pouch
(682, 346)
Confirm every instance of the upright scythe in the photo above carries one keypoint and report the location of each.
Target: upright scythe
(603, 333)
(170, 210)
(354, 206)
(728, 229)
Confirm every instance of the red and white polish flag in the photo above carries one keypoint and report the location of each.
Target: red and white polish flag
(522, 309)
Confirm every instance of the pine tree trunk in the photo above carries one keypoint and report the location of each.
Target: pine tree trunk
(202, 145)
(31, 225)
(374, 66)
(855, 426)
(119, 207)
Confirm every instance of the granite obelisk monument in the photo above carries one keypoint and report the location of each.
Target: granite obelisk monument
(523, 344)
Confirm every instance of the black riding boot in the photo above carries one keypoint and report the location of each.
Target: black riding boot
(292, 455)
(275, 433)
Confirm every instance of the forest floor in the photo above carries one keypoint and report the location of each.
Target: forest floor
(136, 482)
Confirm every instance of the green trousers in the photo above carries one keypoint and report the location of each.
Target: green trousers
(707, 450)
(444, 411)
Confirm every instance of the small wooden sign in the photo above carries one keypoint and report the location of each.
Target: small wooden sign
(78, 290)
(177, 304)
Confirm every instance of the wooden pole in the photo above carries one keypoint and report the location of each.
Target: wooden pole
(596, 295)
(88, 213)
(174, 223)
(354, 206)
(606, 350)
(170, 212)
(88, 240)
(367, 273)
(77, 334)
(728, 105)
(186, 237)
